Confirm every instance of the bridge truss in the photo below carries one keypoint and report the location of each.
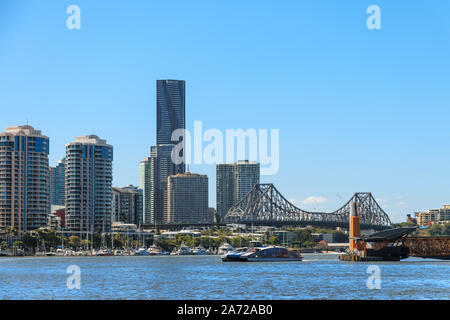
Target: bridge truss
(265, 205)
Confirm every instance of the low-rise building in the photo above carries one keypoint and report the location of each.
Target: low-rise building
(328, 237)
(53, 221)
(434, 216)
(285, 237)
(171, 235)
(59, 211)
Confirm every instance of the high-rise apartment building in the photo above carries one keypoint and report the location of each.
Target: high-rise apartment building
(246, 176)
(145, 184)
(225, 186)
(88, 183)
(233, 182)
(170, 109)
(127, 205)
(57, 187)
(161, 167)
(188, 199)
(24, 178)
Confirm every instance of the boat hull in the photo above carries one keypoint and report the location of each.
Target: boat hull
(245, 259)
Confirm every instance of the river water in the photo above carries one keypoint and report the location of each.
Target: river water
(319, 276)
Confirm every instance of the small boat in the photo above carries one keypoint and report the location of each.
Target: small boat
(105, 252)
(4, 253)
(68, 253)
(156, 250)
(200, 251)
(141, 252)
(182, 251)
(118, 253)
(263, 254)
(225, 248)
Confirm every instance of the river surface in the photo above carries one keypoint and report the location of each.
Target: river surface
(319, 276)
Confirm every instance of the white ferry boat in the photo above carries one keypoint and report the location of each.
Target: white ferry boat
(263, 254)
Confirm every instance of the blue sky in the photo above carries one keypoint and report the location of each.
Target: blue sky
(357, 109)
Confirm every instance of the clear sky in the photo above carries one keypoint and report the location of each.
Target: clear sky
(357, 109)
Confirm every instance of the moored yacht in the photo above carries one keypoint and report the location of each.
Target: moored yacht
(156, 250)
(200, 251)
(182, 251)
(141, 252)
(225, 248)
(105, 252)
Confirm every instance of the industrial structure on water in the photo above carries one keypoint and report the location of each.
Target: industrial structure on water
(391, 244)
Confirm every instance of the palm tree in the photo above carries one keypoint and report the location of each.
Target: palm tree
(10, 232)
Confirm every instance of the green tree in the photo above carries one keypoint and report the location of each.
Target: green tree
(10, 231)
(339, 236)
(273, 240)
(85, 243)
(3, 245)
(49, 237)
(74, 241)
(308, 244)
(29, 241)
(446, 230)
(224, 232)
(18, 244)
(120, 241)
(304, 236)
(403, 225)
(436, 230)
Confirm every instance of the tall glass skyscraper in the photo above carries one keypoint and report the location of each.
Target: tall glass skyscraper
(57, 187)
(155, 170)
(89, 184)
(24, 178)
(170, 109)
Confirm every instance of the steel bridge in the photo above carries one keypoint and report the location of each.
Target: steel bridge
(265, 205)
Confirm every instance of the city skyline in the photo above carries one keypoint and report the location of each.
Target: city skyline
(357, 109)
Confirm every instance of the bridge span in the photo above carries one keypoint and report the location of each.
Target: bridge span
(265, 205)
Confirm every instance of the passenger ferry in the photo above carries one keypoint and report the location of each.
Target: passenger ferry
(263, 254)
